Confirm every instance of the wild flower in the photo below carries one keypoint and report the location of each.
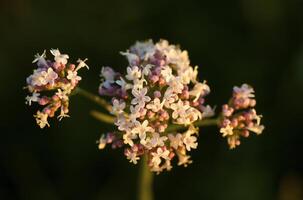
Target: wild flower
(51, 84)
(160, 88)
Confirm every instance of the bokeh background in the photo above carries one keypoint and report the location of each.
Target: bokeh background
(255, 41)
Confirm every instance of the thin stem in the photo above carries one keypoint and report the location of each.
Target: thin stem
(102, 117)
(204, 122)
(145, 183)
(94, 98)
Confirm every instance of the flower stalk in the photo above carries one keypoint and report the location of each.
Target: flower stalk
(145, 182)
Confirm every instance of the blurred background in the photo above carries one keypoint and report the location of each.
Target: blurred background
(233, 42)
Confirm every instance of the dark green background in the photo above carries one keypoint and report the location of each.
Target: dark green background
(255, 41)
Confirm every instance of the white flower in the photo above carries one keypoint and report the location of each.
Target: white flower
(175, 85)
(59, 58)
(122, 123)
(200, 89)
(62, 114)
(188, 75)
(155, 105)
(62, 94)
(138, 83)
(179, 109)
(133, 73)
(131, 57)
(142, 129)
(184, 160)
(156, 140)
(175, 141)
(118, 107)
(191, 115)
(190, 141)
(81, 64)
(245, 91)
(73, 76)
(160, 153)
(167, 73)
(102, 142)
(208, 111)
(50, 76)
(33, 98)
(40, 59)
(140, 97)
(41, 119)
(128, 138)
(132, 156)
(228, 130)
(146, 69)
(143, 49)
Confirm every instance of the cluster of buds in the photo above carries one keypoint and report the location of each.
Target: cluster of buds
(159, 90)
(51, 84)
(239, 117)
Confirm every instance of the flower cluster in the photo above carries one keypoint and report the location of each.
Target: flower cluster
(160, 89)
(239, 117)
(51, 84)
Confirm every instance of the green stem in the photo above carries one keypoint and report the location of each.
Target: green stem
(145, 183)
(102, 117)
(102, 102)
(204, 122)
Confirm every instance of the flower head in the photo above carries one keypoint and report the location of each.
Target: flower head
(51, 84)
(159, 89)
(239, 116)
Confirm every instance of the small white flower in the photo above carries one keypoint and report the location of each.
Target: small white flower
(133, 73)
(175, 85)
(33, 98)
(208, 111)
(62, 114)
(140, 97)
(81, 64)
(132, 58)
(73, 76)
(200, 89)
(40, 59)
(146, 69)
(179, 109)
(62, 95)
(132, 156)
(50, 76)
(160, 153)
(167, 73)
(245, 91)
(190, 141)
(41, 119)
(118, 107)
(175, 141)
(128, 138)
(155, 105)
(59, 58)
(142, 129)
(156, 140)
(139, 84)
(228, 130)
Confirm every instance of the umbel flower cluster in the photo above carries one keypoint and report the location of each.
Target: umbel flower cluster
(160, 88)
(51, 84)
(239, 116)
